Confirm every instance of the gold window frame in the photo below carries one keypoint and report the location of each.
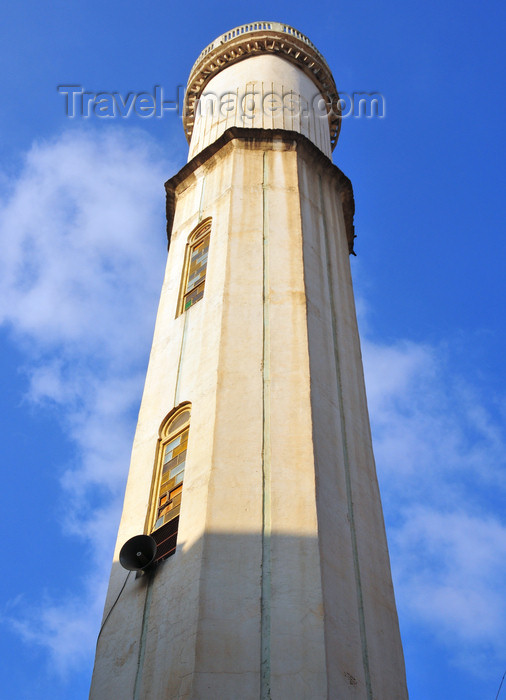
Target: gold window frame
(194, 239)
(164, 437)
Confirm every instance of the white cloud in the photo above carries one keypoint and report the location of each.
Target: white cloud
(84, 217)
(83, 253)
(66, 629)
(449, 560)
(441, 457)
(82, 230)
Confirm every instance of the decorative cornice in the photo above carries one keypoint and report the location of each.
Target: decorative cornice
(257, 136)
(254, 39)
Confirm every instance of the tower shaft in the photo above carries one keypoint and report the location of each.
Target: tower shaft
(279, 587)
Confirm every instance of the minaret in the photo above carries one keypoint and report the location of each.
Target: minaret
(252, 466)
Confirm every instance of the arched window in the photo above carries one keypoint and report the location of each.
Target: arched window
(169, 475)
(195, 267)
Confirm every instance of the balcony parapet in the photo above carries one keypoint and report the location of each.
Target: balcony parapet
(254, 39)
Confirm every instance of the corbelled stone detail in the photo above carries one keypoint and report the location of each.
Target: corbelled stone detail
(254, 39)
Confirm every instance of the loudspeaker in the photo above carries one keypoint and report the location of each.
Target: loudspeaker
(138, 553)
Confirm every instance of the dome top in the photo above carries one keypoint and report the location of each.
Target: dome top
(253, 39)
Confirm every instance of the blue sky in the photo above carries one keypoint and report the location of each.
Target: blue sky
(83, 249)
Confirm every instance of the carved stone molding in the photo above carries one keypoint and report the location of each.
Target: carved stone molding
(264, 138)
(254, 39)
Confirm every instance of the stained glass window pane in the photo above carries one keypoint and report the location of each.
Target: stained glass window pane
(174, 457)
(196, 273)
(179, 420)
(176, 470)
(170, 447)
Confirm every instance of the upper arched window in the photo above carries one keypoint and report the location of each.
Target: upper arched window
(195, 267)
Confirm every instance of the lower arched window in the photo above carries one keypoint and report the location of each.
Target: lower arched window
(170, 466)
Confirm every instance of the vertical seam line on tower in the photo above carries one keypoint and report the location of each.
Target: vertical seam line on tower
(186, 313)
(265, 595)
(181, 356)
(144, 631)
(201, 202)
(349, 495)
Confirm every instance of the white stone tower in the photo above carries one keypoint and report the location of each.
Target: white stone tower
(252, 465)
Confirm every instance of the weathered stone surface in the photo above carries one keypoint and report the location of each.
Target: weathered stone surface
(280, 586)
